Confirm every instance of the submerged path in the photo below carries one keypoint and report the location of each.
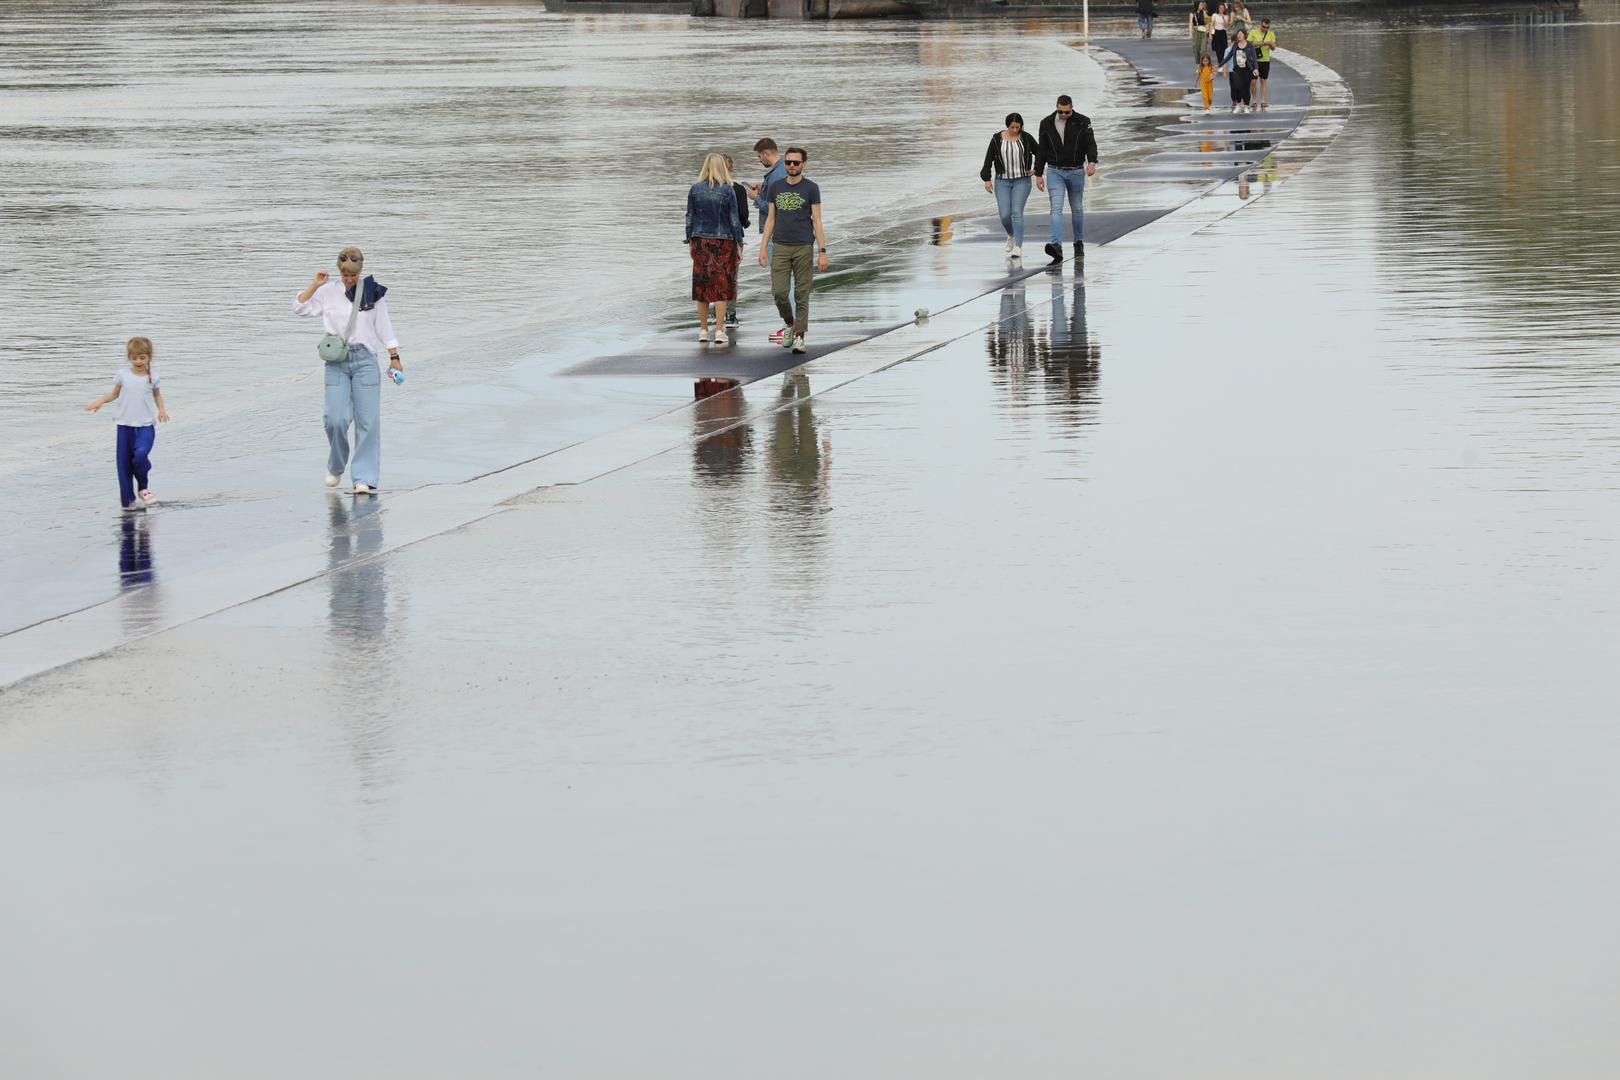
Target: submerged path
(954, 269)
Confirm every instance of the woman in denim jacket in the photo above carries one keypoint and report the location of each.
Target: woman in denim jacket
(714, 233)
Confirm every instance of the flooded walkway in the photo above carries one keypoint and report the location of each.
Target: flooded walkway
(1194, 667)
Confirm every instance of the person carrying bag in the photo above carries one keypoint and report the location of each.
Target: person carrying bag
(353, 378)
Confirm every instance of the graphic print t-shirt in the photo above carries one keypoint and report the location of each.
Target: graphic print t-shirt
(793, 203)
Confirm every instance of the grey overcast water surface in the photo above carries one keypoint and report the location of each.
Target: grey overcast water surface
(1203, 670)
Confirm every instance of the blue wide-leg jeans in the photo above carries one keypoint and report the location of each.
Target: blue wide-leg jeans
(1011, 195)
(353, 388)
(1072, 181)
(134, 460)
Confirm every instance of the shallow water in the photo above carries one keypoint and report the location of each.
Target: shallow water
(1200, 669)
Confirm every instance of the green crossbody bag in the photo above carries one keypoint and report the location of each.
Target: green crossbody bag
(334, 349)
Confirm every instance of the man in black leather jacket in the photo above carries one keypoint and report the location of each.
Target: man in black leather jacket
(1068, 156)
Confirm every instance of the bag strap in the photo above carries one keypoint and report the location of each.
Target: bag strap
(354, 312)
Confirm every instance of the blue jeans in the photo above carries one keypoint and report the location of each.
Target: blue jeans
(134, 459)
(1074, 182)
(1144, 23)
(352, 390)
(1011, 195)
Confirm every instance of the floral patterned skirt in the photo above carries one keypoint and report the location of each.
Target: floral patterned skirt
(714, 269)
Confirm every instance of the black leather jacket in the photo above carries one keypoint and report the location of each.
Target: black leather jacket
(1078, 146)
(992, 156)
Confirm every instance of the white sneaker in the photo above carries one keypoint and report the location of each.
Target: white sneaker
(362, 489)
(798, 343)
(1018, 251)
(1009, 245)
(721, 337)
(331, 481)
(1234, 109)
(1206, 110)
(703, 335)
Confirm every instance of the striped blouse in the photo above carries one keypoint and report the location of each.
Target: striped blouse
(1012, 160)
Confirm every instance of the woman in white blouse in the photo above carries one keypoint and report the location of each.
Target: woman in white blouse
(353, 384)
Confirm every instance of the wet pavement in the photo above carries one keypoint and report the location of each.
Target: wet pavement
(1194, 667)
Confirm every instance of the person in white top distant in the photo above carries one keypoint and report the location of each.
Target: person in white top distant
(353, 384)
(139, 408)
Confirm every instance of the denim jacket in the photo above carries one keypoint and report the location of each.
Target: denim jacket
(762, 205)
(712, 212)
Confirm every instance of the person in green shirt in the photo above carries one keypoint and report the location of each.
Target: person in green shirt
(1265, 41)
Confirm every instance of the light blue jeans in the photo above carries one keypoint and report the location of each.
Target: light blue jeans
(353, 387)
(1011, 195)
(1074, 182)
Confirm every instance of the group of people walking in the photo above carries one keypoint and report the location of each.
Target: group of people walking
(1057, 161)
(792, 241)
(1227, 39)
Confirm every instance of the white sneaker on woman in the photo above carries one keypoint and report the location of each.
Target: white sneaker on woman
(1018, 251)
(331, 481)
(1009, 245)
(703, 335)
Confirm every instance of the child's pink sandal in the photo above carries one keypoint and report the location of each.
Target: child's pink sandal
(148, 498)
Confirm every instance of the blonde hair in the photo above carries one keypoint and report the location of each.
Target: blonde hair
(138, 345)
(716, 173)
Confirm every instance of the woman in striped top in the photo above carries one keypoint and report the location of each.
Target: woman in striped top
(1013, 157)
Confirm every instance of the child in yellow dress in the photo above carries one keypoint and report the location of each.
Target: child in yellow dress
(1206, 80)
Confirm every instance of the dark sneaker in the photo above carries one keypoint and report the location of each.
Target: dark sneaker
(1079, 253)
(731, 318)
(1055, 252)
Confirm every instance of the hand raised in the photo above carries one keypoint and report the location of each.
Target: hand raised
(321, 278)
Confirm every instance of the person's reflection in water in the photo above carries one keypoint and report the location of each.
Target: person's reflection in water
(798, 463)
(357, 623)
(135, 550)
(1011, 346)
(720, 459)
(140, 613)
(1070, 360)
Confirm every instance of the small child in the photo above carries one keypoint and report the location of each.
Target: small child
(1206, 79)
(140, 406)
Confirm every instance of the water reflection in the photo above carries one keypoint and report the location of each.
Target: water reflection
(357, 627)
(135, 550)
(140, 612)
(1050, 364)
(721, 459)
(358, 605)
(798, 463)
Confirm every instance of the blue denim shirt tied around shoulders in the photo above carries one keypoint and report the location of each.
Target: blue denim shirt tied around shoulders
(712, 212)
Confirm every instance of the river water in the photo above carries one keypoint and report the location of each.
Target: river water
(1202, 668)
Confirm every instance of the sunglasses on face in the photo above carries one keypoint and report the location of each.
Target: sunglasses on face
(1065, 112)
(795, 164)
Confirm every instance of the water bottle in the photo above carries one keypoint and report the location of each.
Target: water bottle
(397, 375)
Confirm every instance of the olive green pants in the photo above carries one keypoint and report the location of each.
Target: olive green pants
(795, 263)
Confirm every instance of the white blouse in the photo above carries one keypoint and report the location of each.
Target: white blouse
(373, 328)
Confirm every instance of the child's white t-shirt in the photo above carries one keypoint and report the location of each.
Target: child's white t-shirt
(134, 406)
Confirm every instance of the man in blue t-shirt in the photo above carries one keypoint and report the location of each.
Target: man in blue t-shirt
(793, 225)
(765, 149)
